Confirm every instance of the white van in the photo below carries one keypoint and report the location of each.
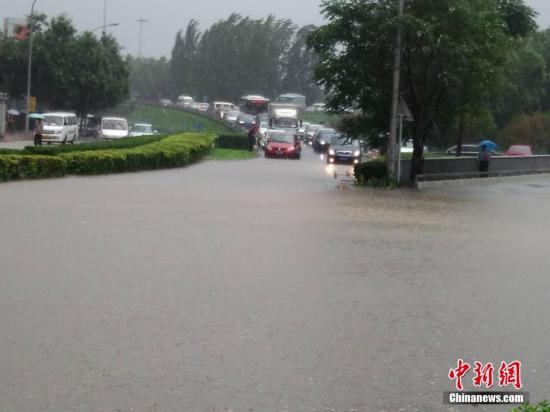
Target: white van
(185, 101)
(113, 128)
(60, 127)
(221, 108)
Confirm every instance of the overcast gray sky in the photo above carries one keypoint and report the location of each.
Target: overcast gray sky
(166, 17)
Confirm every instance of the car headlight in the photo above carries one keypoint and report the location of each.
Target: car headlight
(291, 148)
(322, 142)
(357, 153)
(331, 152)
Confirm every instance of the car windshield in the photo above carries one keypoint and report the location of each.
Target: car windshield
(53, 120)
(326, 134)
(286, 122)
(339, 140)
(112, 124)
(143, 128)
(282, 138)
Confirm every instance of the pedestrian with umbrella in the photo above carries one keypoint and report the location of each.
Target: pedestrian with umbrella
(486, 147)
(38, 128)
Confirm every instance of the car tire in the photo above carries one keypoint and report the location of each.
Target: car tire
(64, 142)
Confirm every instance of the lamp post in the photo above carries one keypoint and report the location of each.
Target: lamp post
(140, 21)
(31, 18)
(392, 144)
(104, 26)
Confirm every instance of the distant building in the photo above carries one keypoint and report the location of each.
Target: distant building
(11, 24)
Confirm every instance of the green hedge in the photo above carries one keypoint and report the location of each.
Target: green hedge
(232, 141)
(124, 143)
(373, 170)
(168, 152)
(13, 167)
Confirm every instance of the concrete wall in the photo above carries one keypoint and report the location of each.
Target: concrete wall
(468, 165)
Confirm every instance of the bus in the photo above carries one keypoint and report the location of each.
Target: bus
(254, 105)
(292, 98)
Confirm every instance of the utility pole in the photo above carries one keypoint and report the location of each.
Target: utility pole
(392, 144)
(140, 21)
(104, 17)
(29, 74)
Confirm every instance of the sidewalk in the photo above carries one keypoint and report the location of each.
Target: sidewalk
(15, 136)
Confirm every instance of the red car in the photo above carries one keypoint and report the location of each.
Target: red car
(282, 144)
(519, 150)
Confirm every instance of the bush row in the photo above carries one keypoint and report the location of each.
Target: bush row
(169, 152)
(125, 143)
(232, 141)
(371, 171)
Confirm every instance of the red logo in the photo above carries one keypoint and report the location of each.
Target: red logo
(458, 373)
(509, 374)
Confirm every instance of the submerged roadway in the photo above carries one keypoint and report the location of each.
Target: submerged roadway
(266, 285)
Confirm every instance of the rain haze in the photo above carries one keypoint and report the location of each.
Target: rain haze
(166, 17)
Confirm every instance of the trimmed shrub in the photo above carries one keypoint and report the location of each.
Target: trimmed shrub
(168, 152)
(232, 141)
(124, 143)
(30, 167)
(375, 170)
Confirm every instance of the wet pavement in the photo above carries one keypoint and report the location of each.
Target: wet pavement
(266, 285)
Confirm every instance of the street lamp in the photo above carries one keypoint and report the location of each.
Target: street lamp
(395, 95)
(104, 26)
(31, 18)
(140, 21)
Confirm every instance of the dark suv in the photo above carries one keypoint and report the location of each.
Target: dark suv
(344, 149)
(321, 140)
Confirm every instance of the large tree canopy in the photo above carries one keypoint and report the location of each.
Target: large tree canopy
(71, 71)
(454, 58)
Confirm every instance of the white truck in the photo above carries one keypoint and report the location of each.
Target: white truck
(284, 116)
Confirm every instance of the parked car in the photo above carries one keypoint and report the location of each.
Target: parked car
(519, 150)
(114, 128)
(142, 129)
(282, 144)
(203, 107)
(165, 102)
(344, 149)
(322, 139)
(60, 127)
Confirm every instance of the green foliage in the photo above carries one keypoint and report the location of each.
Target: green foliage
(168, 152)
(125, 143)
(372, 171)
(241, 55)
(232, 141)
(231, 154)
(543, 406)
(532, 130)
(454, 58)
(70, 70)
(326, 119)
(150, 78)
(13, 167)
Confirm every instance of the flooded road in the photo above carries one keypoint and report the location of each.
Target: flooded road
(266, 285)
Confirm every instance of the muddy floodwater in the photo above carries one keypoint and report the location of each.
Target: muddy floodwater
(266, 285)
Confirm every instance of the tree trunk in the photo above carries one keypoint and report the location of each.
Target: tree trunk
(419, 131)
